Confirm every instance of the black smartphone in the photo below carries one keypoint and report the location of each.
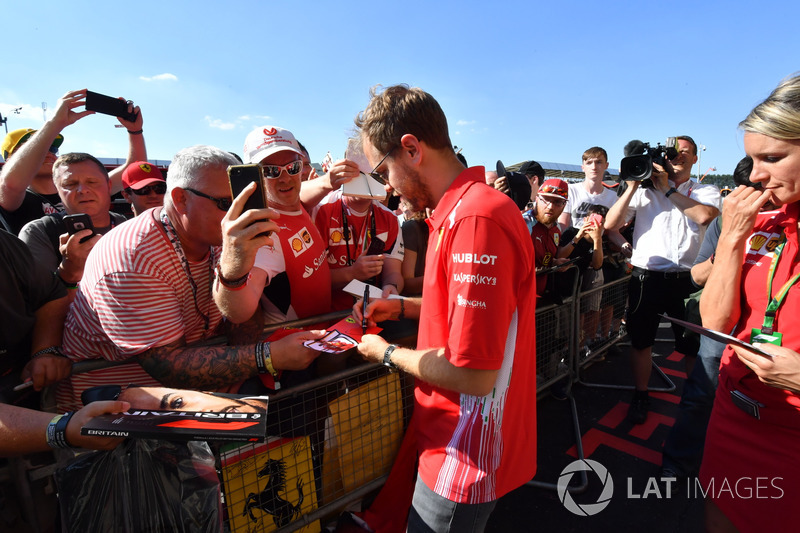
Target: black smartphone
(108, 106)
(240, 177)
(376, 246)
(76, 223)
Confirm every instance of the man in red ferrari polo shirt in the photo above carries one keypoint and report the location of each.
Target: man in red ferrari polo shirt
(474, 365)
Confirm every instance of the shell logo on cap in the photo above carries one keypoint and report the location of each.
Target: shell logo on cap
(270, 131)
(146, 167)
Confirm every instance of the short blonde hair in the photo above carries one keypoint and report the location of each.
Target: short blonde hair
(779, 115)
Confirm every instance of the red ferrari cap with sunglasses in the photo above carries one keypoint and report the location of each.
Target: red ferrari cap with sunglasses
(141, 174)
(554, 188)
(264, 141)
(17, 138)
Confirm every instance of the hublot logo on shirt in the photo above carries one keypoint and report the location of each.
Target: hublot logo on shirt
(475, 258)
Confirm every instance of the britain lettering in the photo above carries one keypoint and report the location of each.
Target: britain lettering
(193, 414)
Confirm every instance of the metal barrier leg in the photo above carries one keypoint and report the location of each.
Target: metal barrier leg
(670, 385)
(578, 446)
(571, 306)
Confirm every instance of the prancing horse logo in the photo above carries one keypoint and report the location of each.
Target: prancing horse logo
(269, 499)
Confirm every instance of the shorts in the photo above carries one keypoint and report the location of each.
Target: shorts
(650, 294)
(592, 279)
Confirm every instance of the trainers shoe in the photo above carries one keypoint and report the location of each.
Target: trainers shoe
(637, 412)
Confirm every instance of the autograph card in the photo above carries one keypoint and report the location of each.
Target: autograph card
(340, 337)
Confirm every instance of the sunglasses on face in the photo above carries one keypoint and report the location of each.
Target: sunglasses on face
(377, 176)
(274, 171)
(222, 203)
(158, 188)
(53, 148)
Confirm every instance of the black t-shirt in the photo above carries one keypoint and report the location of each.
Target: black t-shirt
(415, 238)
(34, 206)
(42, 236)
(26, 286)
(582, 250)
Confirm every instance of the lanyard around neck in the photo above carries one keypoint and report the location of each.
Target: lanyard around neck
(777, 301)
(172, 236)
(364, 239)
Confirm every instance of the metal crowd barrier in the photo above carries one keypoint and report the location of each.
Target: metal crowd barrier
(561, 354)
(332, 440)
(613, 298)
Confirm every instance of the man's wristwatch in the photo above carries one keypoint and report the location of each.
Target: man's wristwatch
(670, 191)
(387, 357)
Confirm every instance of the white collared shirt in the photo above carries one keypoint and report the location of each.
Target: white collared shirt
(665, 239)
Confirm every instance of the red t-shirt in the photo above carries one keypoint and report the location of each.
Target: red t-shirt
(299, 283)
(479, 304)
(329, 220)
(770, 230)
(545, 246)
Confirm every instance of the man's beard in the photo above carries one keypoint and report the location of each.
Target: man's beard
(414, 190)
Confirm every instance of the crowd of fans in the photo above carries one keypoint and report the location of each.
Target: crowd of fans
(83, 282)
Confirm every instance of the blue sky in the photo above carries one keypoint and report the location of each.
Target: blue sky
(517, 80)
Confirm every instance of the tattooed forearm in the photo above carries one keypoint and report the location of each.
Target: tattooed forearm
(248, 332)
(199, 367)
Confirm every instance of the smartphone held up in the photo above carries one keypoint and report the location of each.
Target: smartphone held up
(240, 177)
(595, 219)
(79, 222)
(108, 105)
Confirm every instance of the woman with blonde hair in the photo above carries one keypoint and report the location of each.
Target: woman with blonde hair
(751, 465)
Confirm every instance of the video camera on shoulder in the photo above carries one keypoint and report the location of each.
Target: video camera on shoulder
(637, 165)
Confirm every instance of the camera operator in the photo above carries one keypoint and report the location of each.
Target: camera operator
(671, 218)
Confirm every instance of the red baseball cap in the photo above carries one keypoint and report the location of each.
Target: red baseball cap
(140, 174)
(555, 188)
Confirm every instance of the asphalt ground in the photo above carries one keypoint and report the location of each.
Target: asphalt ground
(628, 455)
